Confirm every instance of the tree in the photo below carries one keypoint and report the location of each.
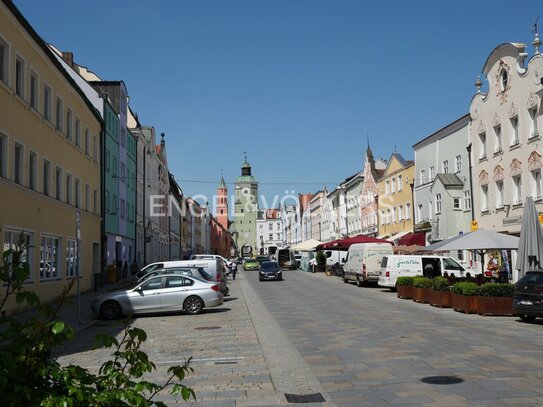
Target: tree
(30, 375)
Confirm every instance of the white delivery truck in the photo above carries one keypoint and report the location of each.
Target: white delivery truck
(395, 266)
(363, 262)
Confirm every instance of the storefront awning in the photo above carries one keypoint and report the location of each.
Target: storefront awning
(412, 239)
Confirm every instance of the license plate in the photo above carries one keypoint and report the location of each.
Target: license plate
(525, 302)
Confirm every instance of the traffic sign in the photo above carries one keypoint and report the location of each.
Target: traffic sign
(540, 218)
(474, 225)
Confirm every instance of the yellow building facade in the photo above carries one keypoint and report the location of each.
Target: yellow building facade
(395, 199)
(49, 162)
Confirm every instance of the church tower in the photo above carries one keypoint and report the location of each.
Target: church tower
(246, 207)
(222, 204)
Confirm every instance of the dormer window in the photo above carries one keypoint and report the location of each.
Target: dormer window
(504, 80)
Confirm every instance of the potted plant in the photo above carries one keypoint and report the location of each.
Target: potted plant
(320, 259)
(404, 285)
(421, 289)
(464, 298)
(441, 295)
(495, 299)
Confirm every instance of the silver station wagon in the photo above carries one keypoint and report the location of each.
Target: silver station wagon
(166, 292)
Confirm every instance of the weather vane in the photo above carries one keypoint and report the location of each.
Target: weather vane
(534, 27)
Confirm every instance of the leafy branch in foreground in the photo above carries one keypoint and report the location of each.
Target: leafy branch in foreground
(30, 375)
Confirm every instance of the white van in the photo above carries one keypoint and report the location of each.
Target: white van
(363, 262)
(214, 267)
(429, 266)
(333, 258)
(213, 256)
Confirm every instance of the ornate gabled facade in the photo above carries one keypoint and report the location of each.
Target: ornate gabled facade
(505, 137)
(368, 198)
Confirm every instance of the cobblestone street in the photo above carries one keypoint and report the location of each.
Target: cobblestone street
(356, 346)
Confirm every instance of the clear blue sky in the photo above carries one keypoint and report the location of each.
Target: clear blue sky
(296, 84)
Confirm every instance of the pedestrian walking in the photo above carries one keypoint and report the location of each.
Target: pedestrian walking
(234, 270)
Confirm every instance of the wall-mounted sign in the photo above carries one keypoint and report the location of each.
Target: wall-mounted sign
(513, 220)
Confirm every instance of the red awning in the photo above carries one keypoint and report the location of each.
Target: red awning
(344, 244)
(410, 239)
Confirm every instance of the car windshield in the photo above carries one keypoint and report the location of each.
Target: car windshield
(450, 264)
(532, 277)
(270, 266)
(251, 261)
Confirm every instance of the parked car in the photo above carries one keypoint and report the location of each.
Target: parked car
(528, 296)
(198, 272)
(262, 259)
(211, 256)
(251, 264)
(168, 292)
(270, 270)
(214, 267)
(363, 262)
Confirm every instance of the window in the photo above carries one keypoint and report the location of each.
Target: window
(446, 167)
(69, 189)
(534, 129)
(400, 183)
(393, 214)
(382, 217)
(34, 90)
(49, 257)
(388, 217)
(482, 146)
(87, 197)
(458, 163)
(46, 177)
(270, 236)
(393, 185)
(400, 213)
(71, 257)
(270, 226)
(123, 172)
(107, 160)
(4, 61)
(123, 137)
(514, 131)
(432, 173)
(517, 189)
(484, 197)
(32, 170)
(387, 187)
(95, 201)
(47, 103)
(77, 193)
(122, 209)
(69, 123)
(95, 149)
(58, 183)
(13, 238)
(456, 203)
(430, 209)
(498, 139)
(18, 162)
(114, 166)
(407, 211)
(19, 77)
(60, 114)
(422, 176)
(87, 141)
(114, 204)
(499, 194)
(420, 212)
(106, 201)
(536, 177)
(3, 154)
(155, 283)
(467, 201)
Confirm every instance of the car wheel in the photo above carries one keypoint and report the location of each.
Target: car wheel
(527, 318)
(193, 305)
(359, 283)
(280, 279)
(259, 278)
(345, 280)
(110, 310)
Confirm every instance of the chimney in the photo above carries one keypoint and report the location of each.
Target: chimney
(68, 57)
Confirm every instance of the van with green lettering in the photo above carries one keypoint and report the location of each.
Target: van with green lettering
(429, 266)
(363, 262)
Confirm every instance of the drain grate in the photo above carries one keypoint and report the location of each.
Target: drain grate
(208, 327)
(304, 398)
(442, 380)
(226, 363)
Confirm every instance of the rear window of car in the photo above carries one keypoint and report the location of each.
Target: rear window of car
(532, 278)
(205, 275)
(384, 261)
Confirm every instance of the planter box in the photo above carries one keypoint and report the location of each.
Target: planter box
(441, 299)
(495, 305)
(405, 292)
(464, 303)
(421, 295)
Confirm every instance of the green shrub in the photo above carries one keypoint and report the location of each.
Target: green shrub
(465, 288)
(405, 281)
(440, 283)
(320, 258)
(422, 282)
(497, 290)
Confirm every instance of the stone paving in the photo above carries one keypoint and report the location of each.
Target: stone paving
(355, 346)
(369, 348)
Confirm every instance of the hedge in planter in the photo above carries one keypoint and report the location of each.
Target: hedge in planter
(495, 299)
(441, 295)
(405, 287)
(421, 289)
(464, 298)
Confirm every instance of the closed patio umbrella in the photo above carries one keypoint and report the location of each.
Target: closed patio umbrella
(530, 249)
